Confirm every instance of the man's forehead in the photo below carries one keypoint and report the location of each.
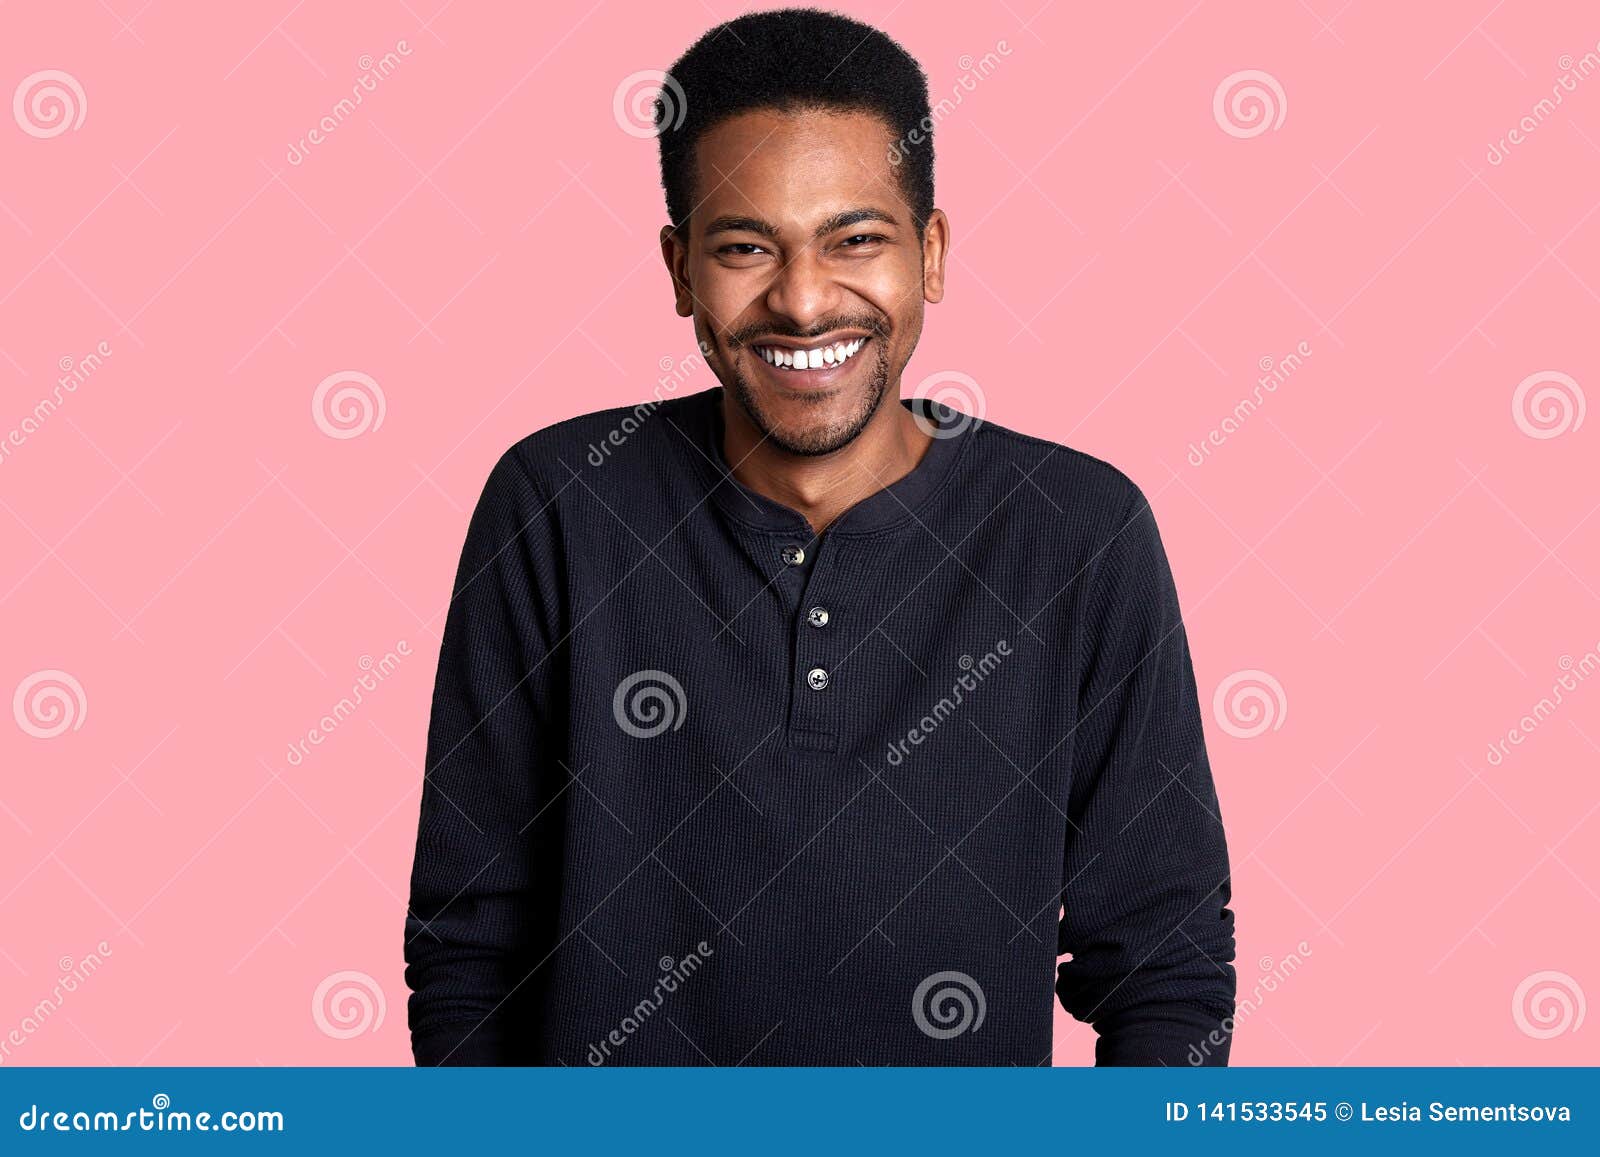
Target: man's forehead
(756, 125)
(796, 170)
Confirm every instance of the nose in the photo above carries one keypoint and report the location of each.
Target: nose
(803, 291)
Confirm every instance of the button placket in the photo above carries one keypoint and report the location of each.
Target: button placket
(815, 646)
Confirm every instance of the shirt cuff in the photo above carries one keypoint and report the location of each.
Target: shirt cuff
(460, 1042)
(1179, 1036)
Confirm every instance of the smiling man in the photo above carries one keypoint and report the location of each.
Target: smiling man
(810, 724)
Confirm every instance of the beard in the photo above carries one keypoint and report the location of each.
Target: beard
(809, 440)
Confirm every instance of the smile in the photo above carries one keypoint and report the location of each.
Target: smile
(816, 358)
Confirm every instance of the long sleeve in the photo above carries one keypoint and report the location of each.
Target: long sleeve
(1146, 868)
(481, 898)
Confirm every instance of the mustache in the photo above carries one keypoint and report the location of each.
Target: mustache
(875, 326)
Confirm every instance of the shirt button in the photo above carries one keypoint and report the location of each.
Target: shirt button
(817, 616)
(793, 555)
(816, 678)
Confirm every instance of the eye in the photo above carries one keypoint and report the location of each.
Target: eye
(860, 239)
(741, 249)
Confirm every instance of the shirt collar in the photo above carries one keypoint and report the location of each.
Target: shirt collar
(892, 504)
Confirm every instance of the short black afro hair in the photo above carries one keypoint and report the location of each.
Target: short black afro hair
(792, 60)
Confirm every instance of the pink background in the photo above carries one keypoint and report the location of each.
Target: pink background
(1384, 537)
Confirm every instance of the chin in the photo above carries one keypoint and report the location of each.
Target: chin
(811, 421)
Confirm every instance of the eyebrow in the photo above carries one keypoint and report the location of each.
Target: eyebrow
(841, 220)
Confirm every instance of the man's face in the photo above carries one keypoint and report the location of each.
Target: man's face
(801, 250)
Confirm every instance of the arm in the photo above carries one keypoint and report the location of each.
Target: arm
(1146, 872)
(472, 938)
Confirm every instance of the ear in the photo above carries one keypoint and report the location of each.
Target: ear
(676, 255)
(935, 245)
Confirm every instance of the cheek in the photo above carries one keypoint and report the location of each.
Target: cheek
(721, 296)
(894, 290)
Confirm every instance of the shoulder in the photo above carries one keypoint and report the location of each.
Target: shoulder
(1105, 521)
(548, 458)
(1061, 478)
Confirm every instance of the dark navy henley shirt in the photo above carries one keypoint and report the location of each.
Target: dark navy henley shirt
(703, 788)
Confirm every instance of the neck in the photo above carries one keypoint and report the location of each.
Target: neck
(823, 487)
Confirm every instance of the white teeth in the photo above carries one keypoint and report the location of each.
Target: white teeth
(813, 359)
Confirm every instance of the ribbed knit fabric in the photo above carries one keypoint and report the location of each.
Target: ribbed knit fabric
(672, 816)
